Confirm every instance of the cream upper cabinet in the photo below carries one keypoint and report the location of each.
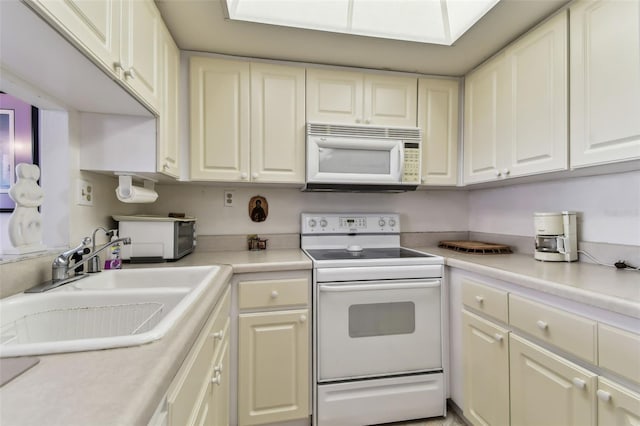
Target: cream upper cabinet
(438, 120)
(547, 389)
(247, 121)
(605, 81)
(516, 108)
(220, 94)
(168, 147)
(617, 405)
(358, 98)
(122, 36)
(277, 123)
(484, 120)
(486, 371)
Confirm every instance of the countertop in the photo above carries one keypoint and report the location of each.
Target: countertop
(600, 286)
(124, 386)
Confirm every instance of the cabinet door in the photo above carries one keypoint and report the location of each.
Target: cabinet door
(537, 125)
(486, 371)
(277, 123)
(140, 49)
(617, 405)
(94, 25)
(547, 389)
(334, 96)
(438, 120)
(219, 119)
(484, 121)
(273, 367)
(168, 138)
(390, 100)
(605, 81)
(219, 415)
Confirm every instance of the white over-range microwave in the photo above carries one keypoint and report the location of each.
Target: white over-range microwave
(362, 158)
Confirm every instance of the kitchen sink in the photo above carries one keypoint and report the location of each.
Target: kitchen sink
(109, 310)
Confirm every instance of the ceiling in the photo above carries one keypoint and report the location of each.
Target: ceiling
(200, 25)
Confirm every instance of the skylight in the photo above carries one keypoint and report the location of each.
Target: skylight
(424, 21)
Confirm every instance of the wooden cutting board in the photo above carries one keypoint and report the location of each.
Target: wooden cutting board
(477, 247)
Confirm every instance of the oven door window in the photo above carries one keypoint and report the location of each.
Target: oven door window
(378, 328)
(382, 319)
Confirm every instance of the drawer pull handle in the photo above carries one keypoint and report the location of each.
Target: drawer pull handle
(218, 335)
(542, 325)
(303, 318)
(274, 294)
(480, 299)
(218, 368)
(499, 337)
(217, 379)
(579, 383)
(603, 395)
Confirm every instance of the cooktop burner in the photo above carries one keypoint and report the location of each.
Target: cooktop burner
(366, 253)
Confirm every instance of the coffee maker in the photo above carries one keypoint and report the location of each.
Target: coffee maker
(556, 236)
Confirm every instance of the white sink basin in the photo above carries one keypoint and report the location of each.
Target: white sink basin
(123, 308)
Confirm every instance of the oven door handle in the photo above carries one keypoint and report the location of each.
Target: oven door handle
(382, 286)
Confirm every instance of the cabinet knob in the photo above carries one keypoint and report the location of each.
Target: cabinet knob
(480, 300)
(579, 383)
(274, 294)
(117, 66)
(243, 175)
(499, 337)
(367, 121)
(218, 335)
(542, 325)
(506, 172)
(255, 176)
(129, 74)
(358, 120)
(424, 180)
(218, 368)
(303, 318)
(165, 166)
(498, 173)
(217, 379)
(603, 395)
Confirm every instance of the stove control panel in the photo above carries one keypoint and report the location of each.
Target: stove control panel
(350, 223)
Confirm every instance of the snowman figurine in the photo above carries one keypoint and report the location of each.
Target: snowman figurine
(25, 223)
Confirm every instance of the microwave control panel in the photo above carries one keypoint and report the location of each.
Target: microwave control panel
(411, 169)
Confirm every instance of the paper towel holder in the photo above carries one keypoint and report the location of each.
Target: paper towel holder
(126, 189)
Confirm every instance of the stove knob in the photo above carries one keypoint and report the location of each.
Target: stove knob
(381, 222)
(323, 223)
(392, 222)
(312, 223)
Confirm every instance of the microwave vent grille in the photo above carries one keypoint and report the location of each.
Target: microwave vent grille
(404, 133)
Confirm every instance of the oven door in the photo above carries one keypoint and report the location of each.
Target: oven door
(378, 328)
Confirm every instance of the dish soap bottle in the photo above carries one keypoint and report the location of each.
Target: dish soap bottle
(113, 260)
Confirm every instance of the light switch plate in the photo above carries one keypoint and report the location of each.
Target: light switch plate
(85, 193)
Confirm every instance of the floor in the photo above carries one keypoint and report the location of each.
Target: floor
(451, 420)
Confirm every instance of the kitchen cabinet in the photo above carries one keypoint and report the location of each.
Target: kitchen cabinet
(486, 371)
(168, 148)
(516, 108)
(617, 405)
(122, 37)
(247, 121)
(351, 97)
(547, 389)
(199, 394)
(273, 349)
(605, 81)
(438, 120)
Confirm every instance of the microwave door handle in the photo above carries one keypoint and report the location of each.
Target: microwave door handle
(401, 157)
(368, 287)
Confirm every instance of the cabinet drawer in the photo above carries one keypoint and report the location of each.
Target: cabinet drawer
(569, 332)
(619, 351)
(485, 299)
(273, 293)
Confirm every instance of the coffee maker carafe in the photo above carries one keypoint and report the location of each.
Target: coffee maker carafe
(556, 236)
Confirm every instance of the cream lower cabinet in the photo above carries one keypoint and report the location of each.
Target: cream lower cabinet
(273, 350)
(486, 371)
(617, 405)
(199, 394)
(546, 389)
(246, 121)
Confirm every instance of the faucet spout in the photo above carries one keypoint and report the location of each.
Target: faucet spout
(61, 269)
(96, 251)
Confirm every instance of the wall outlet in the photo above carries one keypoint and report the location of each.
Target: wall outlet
(228, 198)
(85, 193)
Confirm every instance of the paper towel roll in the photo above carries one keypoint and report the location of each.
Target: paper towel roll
(136, 194)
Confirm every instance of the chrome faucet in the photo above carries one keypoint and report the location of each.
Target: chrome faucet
(61, 267)
(94, 261)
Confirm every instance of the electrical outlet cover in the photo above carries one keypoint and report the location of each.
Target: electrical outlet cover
(85, 193)
(228, 198)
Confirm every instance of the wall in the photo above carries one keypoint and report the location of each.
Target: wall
(421, 211)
